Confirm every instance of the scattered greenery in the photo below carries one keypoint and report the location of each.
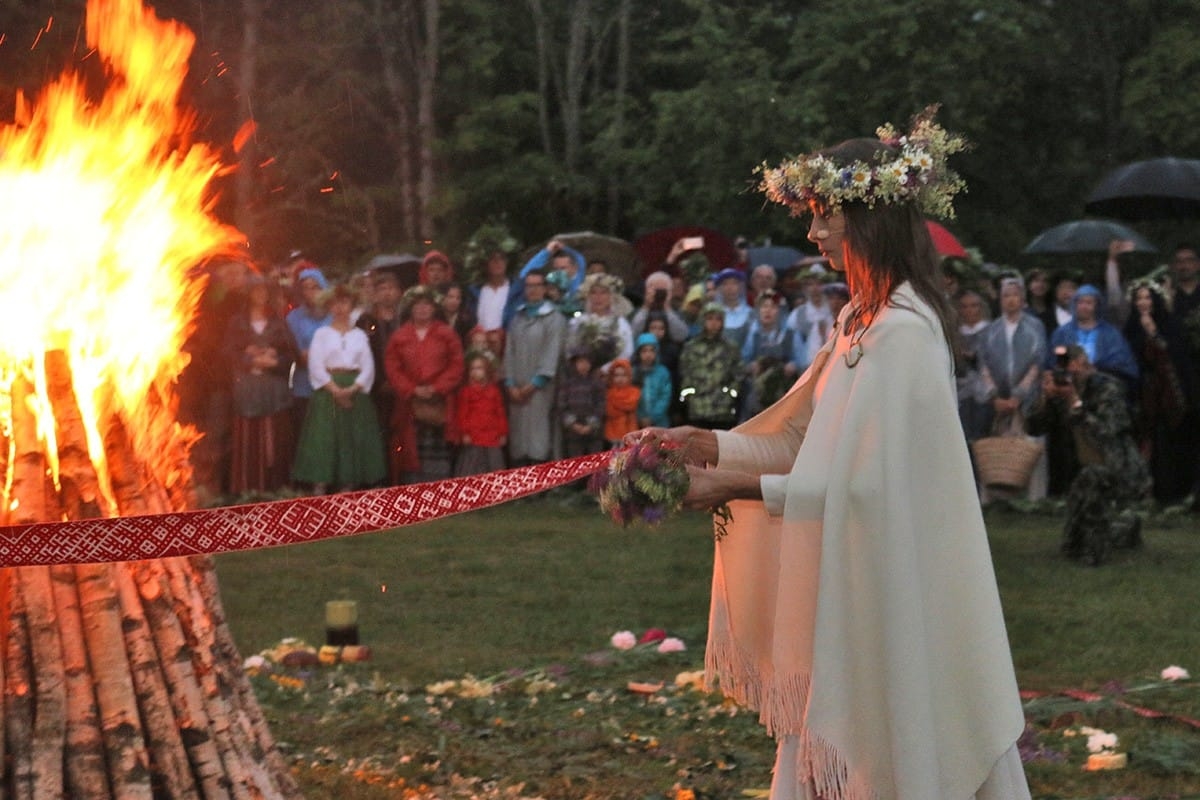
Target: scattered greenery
(529, 595)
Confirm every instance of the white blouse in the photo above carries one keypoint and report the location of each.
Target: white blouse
(331, 349)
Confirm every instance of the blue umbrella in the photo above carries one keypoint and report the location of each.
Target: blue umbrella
(781, 258)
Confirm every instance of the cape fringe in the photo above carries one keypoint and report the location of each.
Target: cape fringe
(781, 703)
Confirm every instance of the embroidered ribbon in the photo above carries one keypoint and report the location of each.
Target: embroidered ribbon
(277, 523)
(1095, 697)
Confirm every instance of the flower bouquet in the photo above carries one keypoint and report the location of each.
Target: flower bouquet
(643, 483)
(600, 341)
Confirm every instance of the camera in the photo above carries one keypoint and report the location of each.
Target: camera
(1061, 359)
(659, 300)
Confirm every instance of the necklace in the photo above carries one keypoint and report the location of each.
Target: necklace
(855, 351)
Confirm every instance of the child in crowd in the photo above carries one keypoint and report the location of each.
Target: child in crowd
(484, 341)
(621, 402)
(709, 370)
(481, 417)
(581, 397)
(654, 404)
(668, 349)
(767, 354)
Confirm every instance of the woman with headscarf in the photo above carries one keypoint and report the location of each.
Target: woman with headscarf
(854, 603)
(1009, 354)
(1106, 348)
(260, 352)
(424, 363)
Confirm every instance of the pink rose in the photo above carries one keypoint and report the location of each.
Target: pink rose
(1174, 673)
(624, 640)
(652, 635)
(671, 645)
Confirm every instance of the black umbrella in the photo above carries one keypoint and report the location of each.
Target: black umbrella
(1087, 236)
(405, 266)
(617, 254)
(1160, 188)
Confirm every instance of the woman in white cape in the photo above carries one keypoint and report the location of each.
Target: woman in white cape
(854, 604)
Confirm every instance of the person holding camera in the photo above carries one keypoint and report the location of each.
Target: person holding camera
(657, 298)
(1112, 476)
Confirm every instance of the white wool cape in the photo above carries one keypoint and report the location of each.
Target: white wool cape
(855, 607)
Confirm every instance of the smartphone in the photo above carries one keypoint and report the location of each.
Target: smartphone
(1061, 360)
(693, 243)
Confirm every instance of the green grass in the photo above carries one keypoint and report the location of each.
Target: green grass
(547, 581)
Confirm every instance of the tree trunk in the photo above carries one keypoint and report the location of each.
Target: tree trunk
(247, 88)
(400, 131)
(575, 77)
(541, 37)
(427, 72)
(121, 680)
(618, 124)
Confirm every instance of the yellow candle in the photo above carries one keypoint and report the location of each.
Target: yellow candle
(341, 613)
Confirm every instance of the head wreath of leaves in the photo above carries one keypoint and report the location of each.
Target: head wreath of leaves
(491, 237)
(917, 174)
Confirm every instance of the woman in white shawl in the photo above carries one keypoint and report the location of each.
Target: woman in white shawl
(854, 604)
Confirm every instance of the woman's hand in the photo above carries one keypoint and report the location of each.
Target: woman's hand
(714, 487)
(1148, 325)
(699, 445)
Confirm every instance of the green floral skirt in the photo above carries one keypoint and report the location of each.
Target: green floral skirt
(340, 447)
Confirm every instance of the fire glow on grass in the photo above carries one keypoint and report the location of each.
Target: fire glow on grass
(105, 212)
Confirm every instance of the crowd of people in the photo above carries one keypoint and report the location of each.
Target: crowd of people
(334, 387)
(297, 382)
(1108, 378)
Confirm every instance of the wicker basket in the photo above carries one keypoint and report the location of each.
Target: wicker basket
(1006, 461)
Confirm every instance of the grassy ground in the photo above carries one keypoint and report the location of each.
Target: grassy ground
(525, 597)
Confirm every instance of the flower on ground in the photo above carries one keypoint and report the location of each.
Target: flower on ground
(694, 680)
(254, 664)
(624, 640)
(671, 645)
(652, 635)
(1174, 673)
(1099, 742)
(472, 687)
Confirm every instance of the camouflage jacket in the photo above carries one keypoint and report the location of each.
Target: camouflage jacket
(1102, 427)
(709, 370)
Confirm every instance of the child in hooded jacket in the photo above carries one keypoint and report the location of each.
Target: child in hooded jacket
(654, 378)
(621, 402)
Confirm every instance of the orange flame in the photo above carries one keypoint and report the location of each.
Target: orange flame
(106, 210)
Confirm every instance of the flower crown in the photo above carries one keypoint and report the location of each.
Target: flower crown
(1150, 282)
(918, 174)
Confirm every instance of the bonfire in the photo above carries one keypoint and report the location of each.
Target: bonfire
(121, 680)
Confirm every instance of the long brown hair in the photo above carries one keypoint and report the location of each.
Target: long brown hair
(886, 246)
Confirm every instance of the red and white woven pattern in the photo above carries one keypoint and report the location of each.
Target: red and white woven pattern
(282, 522)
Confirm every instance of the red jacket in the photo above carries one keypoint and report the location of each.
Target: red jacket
(437, 361)
(481, 414)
